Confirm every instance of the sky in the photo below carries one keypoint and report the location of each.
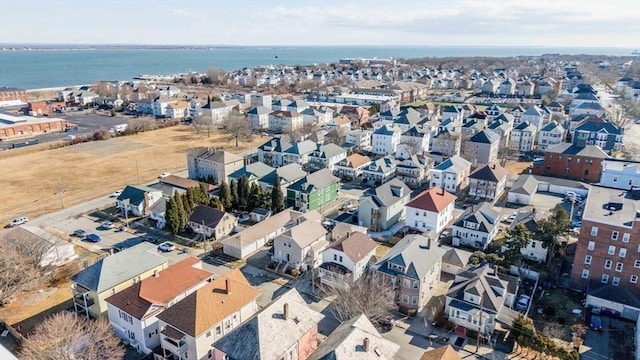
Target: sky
(575, 23)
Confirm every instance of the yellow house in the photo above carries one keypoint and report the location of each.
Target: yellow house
(91, 286)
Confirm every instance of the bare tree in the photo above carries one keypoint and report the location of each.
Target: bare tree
(16, 271)
(336, 136)
(66, 336)
(104, 88)
(369, 295)
(31, 248)
(216, 76)
(236, 126)
(139, 125)
(203, 123)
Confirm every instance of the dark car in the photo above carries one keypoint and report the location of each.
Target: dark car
(595, 323)
(94, 238)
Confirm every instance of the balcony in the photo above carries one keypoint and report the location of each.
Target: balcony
(173, 341)
(83, 300)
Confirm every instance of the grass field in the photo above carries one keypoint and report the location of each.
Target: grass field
(32, 178)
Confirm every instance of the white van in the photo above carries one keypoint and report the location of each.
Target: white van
(18, 221)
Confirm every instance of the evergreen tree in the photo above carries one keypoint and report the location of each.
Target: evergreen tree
(225, 196)
(181, 212)
(277, 199)
(234, 195)
(216, 204)
(518, 238)
(187, 209)
(244, 190)
(254, 196)
(173, 215)
(192, 196)
(203, 195)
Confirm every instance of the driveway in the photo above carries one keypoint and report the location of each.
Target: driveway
(615, 341)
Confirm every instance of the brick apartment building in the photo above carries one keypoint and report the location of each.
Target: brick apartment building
(572, 161)
(608, 248)
(13, 94)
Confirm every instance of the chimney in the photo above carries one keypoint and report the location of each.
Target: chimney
(285, 311)
(495, 270)
(493, 166)
(442, 193)
(227, 286)
(429, 242)
(365, 344)
(156, 273)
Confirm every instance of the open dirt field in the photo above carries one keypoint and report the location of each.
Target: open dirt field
(31, 180)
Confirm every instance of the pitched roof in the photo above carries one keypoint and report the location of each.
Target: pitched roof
(214, 155)
(346, 342)
(389, 193)
(207, 216)
(268, 334)
(355, 245)
(485, 215)
(387, 130)
(356, 160)
(435, 199)
(301, 148)
(526, 184)
(616, 294)
(553, 125)
(330, 150)
(525, 126)
(598, 125)
(137, 299)
(485, 136)
(454, 164)
(306, 233)
(490, 172)
(572, 149)
(135, 194)
(416, 253)
(445, 352)
(317, 180)
(119, 267)
(456, 257)
(210, 304)
(480, 281)
(276, 144)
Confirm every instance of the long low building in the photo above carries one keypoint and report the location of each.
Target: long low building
(23, 126)
(527, 185)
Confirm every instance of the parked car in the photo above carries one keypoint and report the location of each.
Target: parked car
(107, 225)
(94, 238)
(116, 193)
(152, 239)
(523, 302)
(596, 322)
(444, 234)
(79, 233)
(166, 247)
(511, 218)
(576, 224)
(18, 221)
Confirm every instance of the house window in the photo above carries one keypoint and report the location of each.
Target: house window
(622, 253)
(406, 283)
(594, 231)
(218, 330)
(335, 257)
(607, 264)
(605, 278)
(614, 235)
(405, 299)
(587, 259)
(615, 281)
(208, 333)
(619, 266)
(634, 279)
(415, 284)
(585, 273)
(414, 300)
(625, 237)
(612, 250)
(592, 245)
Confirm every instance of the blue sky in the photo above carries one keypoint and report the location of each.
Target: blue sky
(578, 23)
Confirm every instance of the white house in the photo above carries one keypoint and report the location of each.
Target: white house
(284, 121)
(55, 250)
(385, 140)
(258, 118)
(301, 246)
(379, 171)
(534, 116)
(550, 134)
(351, 167)
(432, 210)
(620, 174)
(451, 174)
(137, 200)
(477, 226)
(360, 138)
(346, 259)
(488, 182)
(534, 250)
(522, 137)
(326, 156)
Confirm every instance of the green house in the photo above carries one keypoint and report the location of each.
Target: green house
(313, 191)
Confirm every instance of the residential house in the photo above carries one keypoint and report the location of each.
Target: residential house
(385, 140)
(550, 134)
(452, 113)
(413, 170)
(605, 135)
(507, 87)
(288, 174)
(535, 116)
(301, 246)
(285, 329)
(454, 260)
(359, 138)
(445, 145)
(379, 171)
(270, 153)
(431, 210)
(258, 118)
(214, 164)
(444, 352)
(297, 106)
(534, 251)
(284, 121)
(477, 298)
(346, 260)
(522, 137)
(470, 128)
(326, 156)
(357, 115)
(211, 222)
(313, 191)
(137, 200)
(488, 182)
(340, 124)
(177, 110)
(189, 328)
(608, 243)
(572, 161)
(160, 104)
(620, 174)
(280, 104)
(351, 167)
(52, 250)
(493, 112)
(133, 311)
(356, 339)
(92, 285)
(157, 213)
(451, 174)
(413, 267)
(298, 153)
(525, 88)
(477, 226)
(482, 148)
(384, 206)
(254, 172)
(413, 142)
(588, 109)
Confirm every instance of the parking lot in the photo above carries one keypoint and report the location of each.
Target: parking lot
(614, 341)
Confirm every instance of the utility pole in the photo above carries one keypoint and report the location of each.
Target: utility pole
(137, 170)
(60, 191)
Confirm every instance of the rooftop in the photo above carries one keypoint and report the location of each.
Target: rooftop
(611, 206)
(435, 199)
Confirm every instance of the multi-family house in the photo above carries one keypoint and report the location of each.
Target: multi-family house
(566, 160)
(452, 113)
(493, 112)
(445, 145)
(357, 115)
(602, 133)
(284, 121)
(340, 124)
(92, 285)
(522, 137)
(379, 171)
(211, 222)
(160, 104)
(413, 266)
(502, 129)
(385, 140)
(137, 200)
(350, 168)
(451, 174)
(297, 106)
(345, 260)
(384, 206)
(488, 182)
(477, 226)
(288, 174)
(133, 311)
(550, 134)
(413, 142)
(298, 153)
(301, 246)
(214, 164)
(356, 339)
(285, 329)
(258, 118)
(470, 128)
(477, 297)
(313, 191)
(271, 152)
(534, 251)
(431, 210)
(620, 174)
(507, 87)
(482, 148)
(254, 172)
(534, 116)
(189, 328)
(326, 156)
(280, 104)
(588, 109)
(359, 138)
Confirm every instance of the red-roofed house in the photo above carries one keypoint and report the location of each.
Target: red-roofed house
(432, 210)
(132, 312)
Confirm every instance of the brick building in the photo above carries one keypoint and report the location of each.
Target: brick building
(11, 94)
(22, 126)
(572, 161)
(608, 249)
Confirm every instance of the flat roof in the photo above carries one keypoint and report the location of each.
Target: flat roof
(611, 206)
(7, 120)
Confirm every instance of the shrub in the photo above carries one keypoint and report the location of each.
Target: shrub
(102, 134)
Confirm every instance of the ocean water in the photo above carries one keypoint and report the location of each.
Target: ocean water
(36, 69)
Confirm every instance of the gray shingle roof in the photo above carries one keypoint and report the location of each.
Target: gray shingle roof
(318, 180)
(454, 164)
(390, 192)
(572, 149)
(485, 215)
(485, 137)
(481, 282)
(414, 253)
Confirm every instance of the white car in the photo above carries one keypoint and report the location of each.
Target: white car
(166, 247)
(18, 221)
(116, 194)
(107, 225)
(164, 175)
